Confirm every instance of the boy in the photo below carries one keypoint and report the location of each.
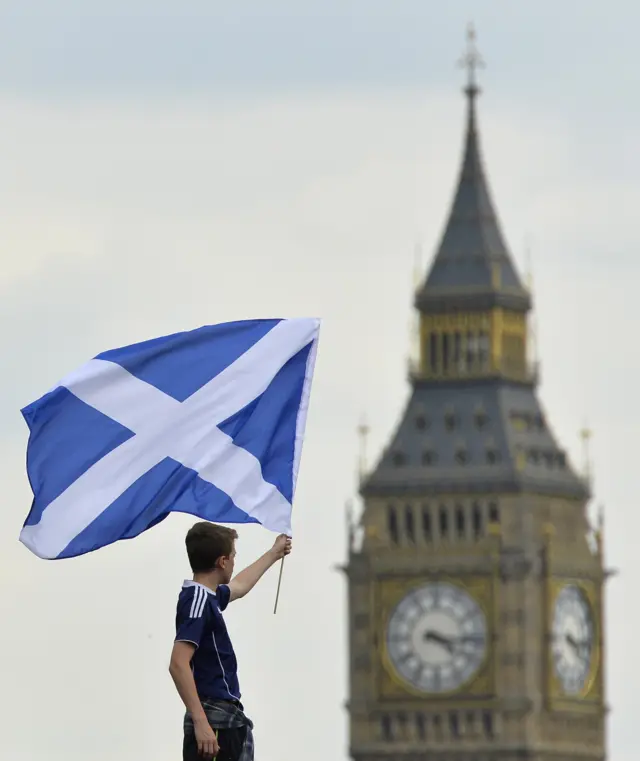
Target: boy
(203, 664)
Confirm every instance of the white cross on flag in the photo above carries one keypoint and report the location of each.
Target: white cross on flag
(208, 422)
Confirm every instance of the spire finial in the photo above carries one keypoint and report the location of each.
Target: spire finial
(363, 433)
(585, 434)
(471, 61)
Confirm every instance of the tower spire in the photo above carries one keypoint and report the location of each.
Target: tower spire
(473, 400)
(472, 268)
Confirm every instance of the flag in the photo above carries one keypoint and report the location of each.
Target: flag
(208, 422)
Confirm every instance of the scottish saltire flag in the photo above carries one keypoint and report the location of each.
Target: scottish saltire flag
(208, 422)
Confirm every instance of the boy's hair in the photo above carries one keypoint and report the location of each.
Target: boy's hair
(206, 542)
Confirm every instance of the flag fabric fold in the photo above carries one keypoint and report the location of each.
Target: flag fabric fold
(208, 422)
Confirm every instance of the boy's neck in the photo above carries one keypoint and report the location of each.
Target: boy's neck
(211, 580)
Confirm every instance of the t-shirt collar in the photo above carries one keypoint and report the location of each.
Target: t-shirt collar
(190, 583)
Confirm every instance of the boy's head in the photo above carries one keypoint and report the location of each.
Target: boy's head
(212, 548)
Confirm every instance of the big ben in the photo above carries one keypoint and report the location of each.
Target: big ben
(476, 589)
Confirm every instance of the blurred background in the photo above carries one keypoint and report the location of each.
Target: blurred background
(165, 165)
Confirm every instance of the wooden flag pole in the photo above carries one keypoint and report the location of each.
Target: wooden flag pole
(275, 607)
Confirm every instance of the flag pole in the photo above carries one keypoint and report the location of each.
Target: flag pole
(275, 607)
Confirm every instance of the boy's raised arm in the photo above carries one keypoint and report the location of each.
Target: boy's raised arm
(245, 581)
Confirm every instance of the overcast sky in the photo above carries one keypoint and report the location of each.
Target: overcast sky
(165, 165)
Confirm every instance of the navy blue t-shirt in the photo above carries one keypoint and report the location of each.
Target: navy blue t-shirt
(199, 621)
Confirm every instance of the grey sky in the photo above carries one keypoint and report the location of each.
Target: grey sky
(143, 47)
(165, 165)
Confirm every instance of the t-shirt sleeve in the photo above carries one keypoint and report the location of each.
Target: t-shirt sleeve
(223, 594)
(191, 618)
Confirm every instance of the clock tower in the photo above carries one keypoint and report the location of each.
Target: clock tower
(475, 581)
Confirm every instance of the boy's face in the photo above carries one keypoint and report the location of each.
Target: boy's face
(226, 565)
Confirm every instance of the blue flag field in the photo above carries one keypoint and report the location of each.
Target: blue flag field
(208, 422)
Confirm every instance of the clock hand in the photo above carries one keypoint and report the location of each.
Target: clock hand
(438, 639)
(450, 643)
(569, 638)
(577, 647)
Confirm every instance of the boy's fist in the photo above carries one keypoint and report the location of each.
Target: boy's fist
(282, 546)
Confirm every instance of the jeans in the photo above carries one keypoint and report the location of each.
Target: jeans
(231, 742)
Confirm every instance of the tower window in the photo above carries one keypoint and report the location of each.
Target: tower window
(481, 419)
(493, 456)
(386, 727)
(398, 459)
(494, 513)
(444, 522)
(392, 524)
(449, 421)
(476, 517)
(462, 456)
(460, 527)
(422, 423)
(458, 361)
(426, 522)
(446, 349)
(483, 350)
(409, 523)
(487, 724)
(428, 457)
(562, 460)
(471, 350)
(433, 352)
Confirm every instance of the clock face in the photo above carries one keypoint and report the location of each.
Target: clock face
(572, 640)
(437, 637)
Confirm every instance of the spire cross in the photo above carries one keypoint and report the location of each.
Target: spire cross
(471, 61)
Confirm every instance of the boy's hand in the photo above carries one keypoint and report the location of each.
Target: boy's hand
(206, 738)
(246, 580)
(281, 546)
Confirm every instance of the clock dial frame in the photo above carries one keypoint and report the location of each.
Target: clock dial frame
(573, 640)
(436, 638)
